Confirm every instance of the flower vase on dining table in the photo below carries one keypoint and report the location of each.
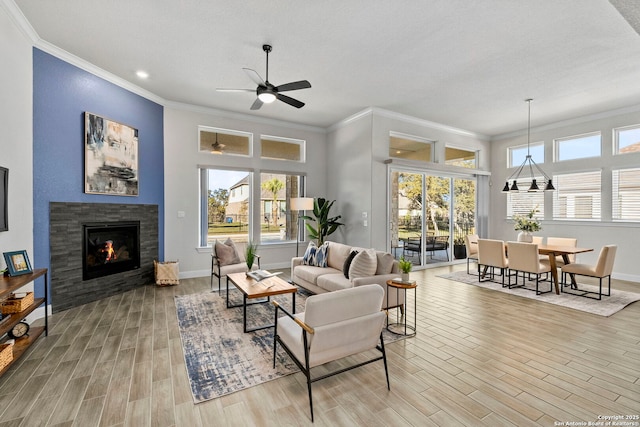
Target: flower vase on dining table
(525, 236)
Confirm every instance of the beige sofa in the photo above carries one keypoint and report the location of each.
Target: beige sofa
(332, 278)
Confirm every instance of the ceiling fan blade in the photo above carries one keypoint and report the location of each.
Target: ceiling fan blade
(290, 101)
(253, 75)
(234, 90)
(302, 84)
(256, 104)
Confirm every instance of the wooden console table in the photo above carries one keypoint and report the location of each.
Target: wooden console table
(9, 285)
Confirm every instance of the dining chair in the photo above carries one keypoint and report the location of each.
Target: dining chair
(602, 269)
(471, 242)
(523, 258)
(333, 326)
(491, 255)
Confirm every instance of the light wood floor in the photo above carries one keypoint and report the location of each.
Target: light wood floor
(480, 358)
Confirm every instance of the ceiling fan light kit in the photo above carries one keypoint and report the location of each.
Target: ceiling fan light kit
(268, 93)
(529, 164)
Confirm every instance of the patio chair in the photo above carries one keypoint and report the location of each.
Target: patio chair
(438, 243)
(602, 269)
(333, 326)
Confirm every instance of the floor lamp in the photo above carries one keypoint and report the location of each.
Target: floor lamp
(300, 204)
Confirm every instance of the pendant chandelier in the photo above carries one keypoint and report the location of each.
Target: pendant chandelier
(530, 165)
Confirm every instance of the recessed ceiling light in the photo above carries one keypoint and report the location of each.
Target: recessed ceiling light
(142, 74)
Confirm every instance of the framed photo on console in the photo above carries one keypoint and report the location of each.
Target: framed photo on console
(110, 157)
(17, 263)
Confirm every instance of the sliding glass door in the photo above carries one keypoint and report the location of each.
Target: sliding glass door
(429, 214)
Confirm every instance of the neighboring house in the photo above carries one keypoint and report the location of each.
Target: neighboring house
(237, 207)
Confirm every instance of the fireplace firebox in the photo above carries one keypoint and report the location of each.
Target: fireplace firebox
(110, 248)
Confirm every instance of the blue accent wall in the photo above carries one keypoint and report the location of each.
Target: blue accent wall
(61, 94)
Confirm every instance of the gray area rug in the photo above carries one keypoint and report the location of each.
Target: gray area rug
(222, 359)
(605, 307)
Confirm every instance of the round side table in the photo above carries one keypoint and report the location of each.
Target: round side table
(400, 327)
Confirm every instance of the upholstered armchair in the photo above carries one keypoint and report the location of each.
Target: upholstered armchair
(602, 269)
(523, 258)
(334, 325)
(491, 256)
(228, 257)
(560, 241)
(471, 243)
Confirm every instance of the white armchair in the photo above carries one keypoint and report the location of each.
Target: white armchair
(229, 260)
(334, 325)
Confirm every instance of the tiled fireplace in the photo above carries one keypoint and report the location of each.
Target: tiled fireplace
(116, 244)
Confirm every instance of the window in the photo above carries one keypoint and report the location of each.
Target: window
(460, 157)
(627, 139)
(282, 148)
(227, 206)
(518, 154)
(524, 202)
(278, 223)
(577, 196)
(410, 148)
(626, 195)
(578, 147)
(224, 141)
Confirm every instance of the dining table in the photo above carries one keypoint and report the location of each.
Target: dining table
(564, 251)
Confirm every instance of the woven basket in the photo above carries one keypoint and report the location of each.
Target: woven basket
(166, 273)
(6, 355)
(14, 304)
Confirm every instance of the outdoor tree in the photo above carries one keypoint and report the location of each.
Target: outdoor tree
(218, 200)
(273, 186)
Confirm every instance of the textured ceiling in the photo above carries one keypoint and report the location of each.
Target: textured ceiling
(464, 64)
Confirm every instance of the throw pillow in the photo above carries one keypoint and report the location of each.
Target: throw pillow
(322, 254)
(385, 263)
(364, 264)
(237, 259)
(347, 263)
(309, 257)
(227, 254)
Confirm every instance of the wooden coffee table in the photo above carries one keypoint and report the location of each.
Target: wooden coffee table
(252, 289)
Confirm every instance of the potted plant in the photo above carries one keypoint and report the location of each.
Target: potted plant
(405, 268)
(324, 224)
(250, 254)
(459, 248)
(527, 224)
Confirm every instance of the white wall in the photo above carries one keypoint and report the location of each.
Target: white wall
(182, 159)
(593, 235)
(358, 148)
(16, 139)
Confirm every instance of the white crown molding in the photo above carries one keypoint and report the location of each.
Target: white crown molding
(374, 111)
(242, 116)
(569, 122)
(20, 20)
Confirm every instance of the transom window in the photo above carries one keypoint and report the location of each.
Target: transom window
(577, 196)
(627, 139)
(282, 148)
(410, 148)
(224, 141)
(460, 157)
(517, 154)
(578, 147)
(626, 195)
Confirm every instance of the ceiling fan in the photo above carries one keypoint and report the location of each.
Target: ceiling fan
(267, 93)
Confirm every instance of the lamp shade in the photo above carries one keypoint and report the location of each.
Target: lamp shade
(301, 203)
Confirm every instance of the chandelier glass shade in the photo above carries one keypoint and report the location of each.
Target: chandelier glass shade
(529, 167)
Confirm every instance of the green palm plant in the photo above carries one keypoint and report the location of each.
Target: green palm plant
(324, 225)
